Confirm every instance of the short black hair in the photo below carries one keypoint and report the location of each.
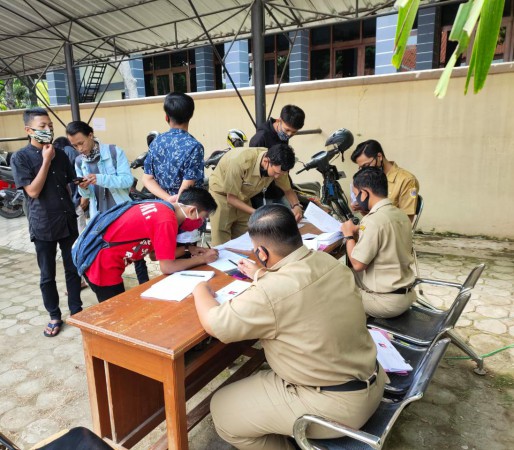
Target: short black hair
(61, 142)
(293, 116)
(281, 155)
(275, 224)
(372, 178)
(199, 197)
(78, 127)
(29, 114)
(370, 148)
(179, 107)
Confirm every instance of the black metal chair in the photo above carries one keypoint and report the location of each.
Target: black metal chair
(422, 326)
(374, 433)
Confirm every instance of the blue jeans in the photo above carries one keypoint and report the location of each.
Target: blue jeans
(46, 252)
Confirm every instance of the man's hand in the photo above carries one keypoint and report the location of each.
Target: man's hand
(48, 152)
(173, 198)
(348, 228)
(248, 267)
(203, 289)
(84, 203)
(89, 179)
(207, 254)
(298, 213)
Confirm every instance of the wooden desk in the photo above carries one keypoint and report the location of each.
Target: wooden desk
(139, 370)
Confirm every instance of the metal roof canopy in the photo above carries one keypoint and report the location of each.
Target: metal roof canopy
(47, 35)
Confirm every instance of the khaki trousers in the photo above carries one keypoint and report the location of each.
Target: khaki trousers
(227, 222)
(259, 412)
(384, 306)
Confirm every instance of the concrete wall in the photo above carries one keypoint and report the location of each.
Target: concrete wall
(461, 148)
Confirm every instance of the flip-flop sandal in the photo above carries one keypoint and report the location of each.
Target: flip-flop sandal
(52, 327)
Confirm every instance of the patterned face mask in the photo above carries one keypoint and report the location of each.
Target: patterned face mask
(42, 136)
(94, 154)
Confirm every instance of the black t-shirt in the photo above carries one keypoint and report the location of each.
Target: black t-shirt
(51, 215)
(266, 136)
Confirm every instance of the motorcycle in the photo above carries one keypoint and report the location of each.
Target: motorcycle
(143, 194)
(11, 199)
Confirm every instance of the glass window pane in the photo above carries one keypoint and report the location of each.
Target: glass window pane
(149, 85)
(320, 64)
(179, 82)
(320, 36)
(179, 59)
(282, 42)
(191, 56)
(220, 80)
(348, 31)
(346, 63)
(269, 44)
(281, 60)
(500, 45)
(269, 71)
(163, 84)
(148, 63)
(369, 60)
(221, 51)
(161, 62)
(192, 79)
(369, 28)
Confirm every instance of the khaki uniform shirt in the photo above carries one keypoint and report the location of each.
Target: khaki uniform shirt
(238, 173)
(385, 246)
(309, 318)
(403, 189)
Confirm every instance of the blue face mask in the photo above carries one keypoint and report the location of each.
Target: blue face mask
(281, 134)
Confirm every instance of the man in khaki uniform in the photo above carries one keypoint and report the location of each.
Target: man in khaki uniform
(305, 309)
(403, 187)
(240, 175)
(382, 256)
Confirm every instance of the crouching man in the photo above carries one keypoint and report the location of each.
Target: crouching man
(150, 228)
(307, 312)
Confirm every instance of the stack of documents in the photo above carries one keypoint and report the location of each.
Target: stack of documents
(241, 243)
(388, 357)
(177, 286)
(321, 220)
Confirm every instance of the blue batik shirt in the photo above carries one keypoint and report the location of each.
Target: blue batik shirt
(175, 156)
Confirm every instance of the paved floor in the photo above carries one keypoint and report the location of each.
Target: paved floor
(43, 384)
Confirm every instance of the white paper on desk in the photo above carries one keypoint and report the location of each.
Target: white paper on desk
(320, 219)
(311, 244)
(241, 243)
(388, 357)
(177, 286)
(224, 261)
(329, 238)
(231, 290)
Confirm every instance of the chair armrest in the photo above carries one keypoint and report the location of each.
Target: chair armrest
(301, 425)
(436, 283)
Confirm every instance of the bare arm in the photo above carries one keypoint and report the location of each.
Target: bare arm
(292, 198)
(239, 204)
(169, 266)
(152, 185)
(34, 189)
(204, 302)
(350, 229)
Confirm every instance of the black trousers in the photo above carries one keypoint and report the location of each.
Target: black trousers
(46, 252)
(105, 292)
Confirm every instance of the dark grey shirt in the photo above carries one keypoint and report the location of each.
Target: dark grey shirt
(51, 215)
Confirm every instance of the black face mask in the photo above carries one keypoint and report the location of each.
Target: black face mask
(264, 172)
(363, 204)
(265, 250)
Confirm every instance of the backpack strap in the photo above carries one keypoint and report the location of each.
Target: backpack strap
(112, 149)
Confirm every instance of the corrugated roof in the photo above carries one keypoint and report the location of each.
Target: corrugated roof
(32, 33)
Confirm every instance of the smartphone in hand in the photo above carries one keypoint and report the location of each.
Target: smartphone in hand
(78, 180)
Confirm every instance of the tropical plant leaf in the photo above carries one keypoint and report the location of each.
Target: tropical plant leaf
(407, 10)
(485, 42)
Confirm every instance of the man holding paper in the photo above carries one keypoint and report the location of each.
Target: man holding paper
(238, 177)
(380, 248)
(150, 228)
(306, 310)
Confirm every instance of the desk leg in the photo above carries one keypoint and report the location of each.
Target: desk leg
(175, 405)
(97, 386)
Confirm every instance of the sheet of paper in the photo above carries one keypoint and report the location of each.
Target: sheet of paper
(308, 236)
(388, 357)
(232, 290)
(311, 244)
(241, 243)
(225, 260)
(329, 238)
(177, 286)
(320, 219)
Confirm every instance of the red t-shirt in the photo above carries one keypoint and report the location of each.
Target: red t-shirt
(147, 227)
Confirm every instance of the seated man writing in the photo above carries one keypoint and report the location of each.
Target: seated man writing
(150, 228)
(238, 177)
(380, 248)
(305, 309)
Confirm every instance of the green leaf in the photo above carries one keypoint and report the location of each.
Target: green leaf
(406, 16)
(486, 40)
